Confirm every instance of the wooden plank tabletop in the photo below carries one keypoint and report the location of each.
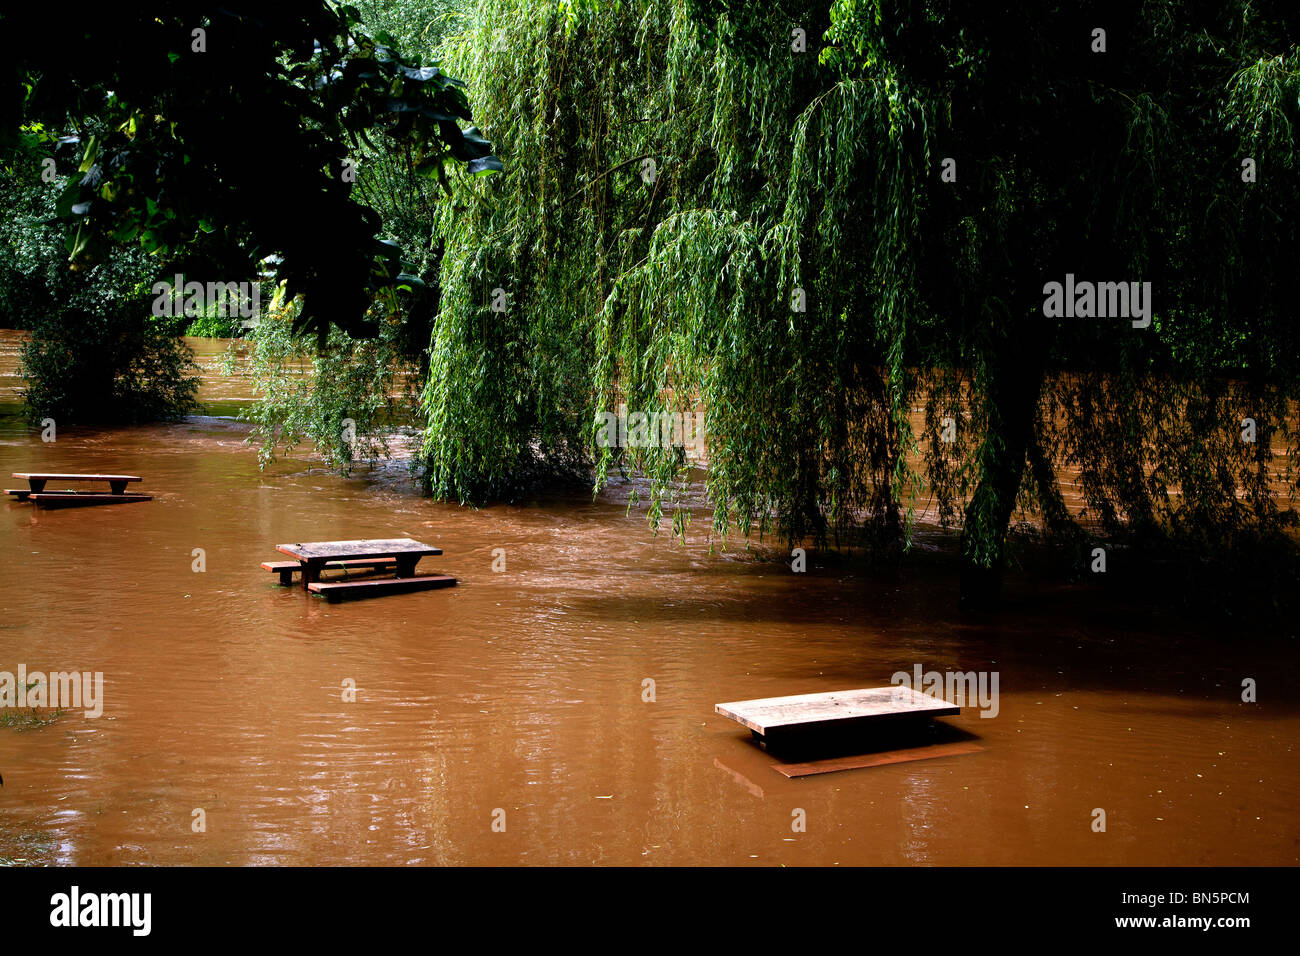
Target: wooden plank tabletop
(52, 476)
(365, 548)
(810, 711)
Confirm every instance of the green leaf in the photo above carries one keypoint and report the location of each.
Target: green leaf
(421, 73)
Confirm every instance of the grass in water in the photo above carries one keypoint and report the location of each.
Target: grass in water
(21, 720)
(29, 849)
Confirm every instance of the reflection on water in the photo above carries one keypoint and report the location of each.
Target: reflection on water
(522, 691)
(220, 393)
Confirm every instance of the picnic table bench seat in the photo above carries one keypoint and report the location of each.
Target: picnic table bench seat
(287, 569)
(374, 587)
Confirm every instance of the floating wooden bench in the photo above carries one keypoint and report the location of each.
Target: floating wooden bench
(335, 590)
(785, 718)
(287, 569)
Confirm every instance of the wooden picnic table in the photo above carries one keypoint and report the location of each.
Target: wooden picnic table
(314, 555)
(36, 480)
(39, 495)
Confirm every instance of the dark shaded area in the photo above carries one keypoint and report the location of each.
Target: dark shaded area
(165, 158)
(904, 733)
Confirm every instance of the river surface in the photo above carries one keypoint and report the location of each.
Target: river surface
(518, 698)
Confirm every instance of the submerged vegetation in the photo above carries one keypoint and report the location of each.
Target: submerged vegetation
(30, 719)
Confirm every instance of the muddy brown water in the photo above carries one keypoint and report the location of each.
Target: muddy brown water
(518, 696)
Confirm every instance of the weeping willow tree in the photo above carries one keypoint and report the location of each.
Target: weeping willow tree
(811, 219)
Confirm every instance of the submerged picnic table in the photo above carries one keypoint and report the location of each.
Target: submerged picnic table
(36, 492)
(401, 555)
(850, 729)
(839, 710)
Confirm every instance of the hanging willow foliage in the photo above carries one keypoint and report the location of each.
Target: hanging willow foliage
(696, 213)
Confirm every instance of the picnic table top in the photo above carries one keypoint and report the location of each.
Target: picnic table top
(58, 476)
(774, 713)
(365, 548)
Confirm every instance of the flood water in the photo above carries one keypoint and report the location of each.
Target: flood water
(522, 690)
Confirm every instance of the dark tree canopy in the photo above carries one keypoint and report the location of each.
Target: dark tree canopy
(219, 136)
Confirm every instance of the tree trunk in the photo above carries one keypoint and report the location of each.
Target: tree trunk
(1012, 399)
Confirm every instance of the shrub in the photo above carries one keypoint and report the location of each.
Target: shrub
(344, 397)
(94, 354)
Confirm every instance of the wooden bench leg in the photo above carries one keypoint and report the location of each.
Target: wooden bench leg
(117, 487)
(286, 577)
(406, 565)
(37, 485)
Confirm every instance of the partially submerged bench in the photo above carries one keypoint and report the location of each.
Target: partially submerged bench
(338, 590)
(36, 492)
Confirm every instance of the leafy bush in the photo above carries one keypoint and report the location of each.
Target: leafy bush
(344, 397)
(107, 364)
(213, 325)
(95, 354)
